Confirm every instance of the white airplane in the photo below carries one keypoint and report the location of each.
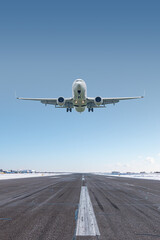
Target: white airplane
(79, 99)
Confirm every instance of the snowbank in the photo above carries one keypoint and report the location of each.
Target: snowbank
(151, 176)
(27, 175)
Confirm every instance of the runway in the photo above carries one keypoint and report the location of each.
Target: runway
(46, 208)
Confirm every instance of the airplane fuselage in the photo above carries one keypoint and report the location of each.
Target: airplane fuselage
(79, 91)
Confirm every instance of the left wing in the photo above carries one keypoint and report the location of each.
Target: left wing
(91, 102)
(116, 100)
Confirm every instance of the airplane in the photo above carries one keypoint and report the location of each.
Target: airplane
(79, 99)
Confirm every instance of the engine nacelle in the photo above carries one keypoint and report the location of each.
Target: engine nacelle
(98, 100)
(60, 101)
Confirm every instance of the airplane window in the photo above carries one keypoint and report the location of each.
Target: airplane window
(79, 80)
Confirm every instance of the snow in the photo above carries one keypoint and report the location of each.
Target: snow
(149, 176)
(28, 175)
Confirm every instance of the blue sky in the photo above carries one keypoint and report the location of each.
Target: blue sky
(115, 47)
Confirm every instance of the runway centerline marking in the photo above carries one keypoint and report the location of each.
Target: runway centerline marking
(83, 179)
(86, 223)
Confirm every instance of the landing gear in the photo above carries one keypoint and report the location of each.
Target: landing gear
(69, 109)
(90, 109)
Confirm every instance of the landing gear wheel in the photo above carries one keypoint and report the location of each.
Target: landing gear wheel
(90, 109)
(69, 109)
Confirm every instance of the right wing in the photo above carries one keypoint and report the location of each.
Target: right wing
(52, 101)
(68, 102)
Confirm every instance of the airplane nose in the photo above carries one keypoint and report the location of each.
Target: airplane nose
(78, 88)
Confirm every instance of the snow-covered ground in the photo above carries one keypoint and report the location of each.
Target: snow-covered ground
(28, 175)
(152, 176)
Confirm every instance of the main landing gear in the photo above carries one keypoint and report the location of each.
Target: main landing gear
(69, 109)
(90, 109)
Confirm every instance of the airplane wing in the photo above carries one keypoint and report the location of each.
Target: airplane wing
(68, 102)
(42, 100)
(91, 102)
(116, 100)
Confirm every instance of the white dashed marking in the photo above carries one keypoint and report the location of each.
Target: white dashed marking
(86, 223)
(83, 179)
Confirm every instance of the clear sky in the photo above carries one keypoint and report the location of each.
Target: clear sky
(115, 47)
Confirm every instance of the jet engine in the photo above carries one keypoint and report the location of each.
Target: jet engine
(60, 101)
(98, 100)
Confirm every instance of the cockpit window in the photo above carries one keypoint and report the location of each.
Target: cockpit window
(79, 80)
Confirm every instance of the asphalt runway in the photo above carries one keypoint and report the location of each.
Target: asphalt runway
(47, 208)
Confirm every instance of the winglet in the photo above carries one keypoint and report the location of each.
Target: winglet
(15, 94)
(144, 94)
